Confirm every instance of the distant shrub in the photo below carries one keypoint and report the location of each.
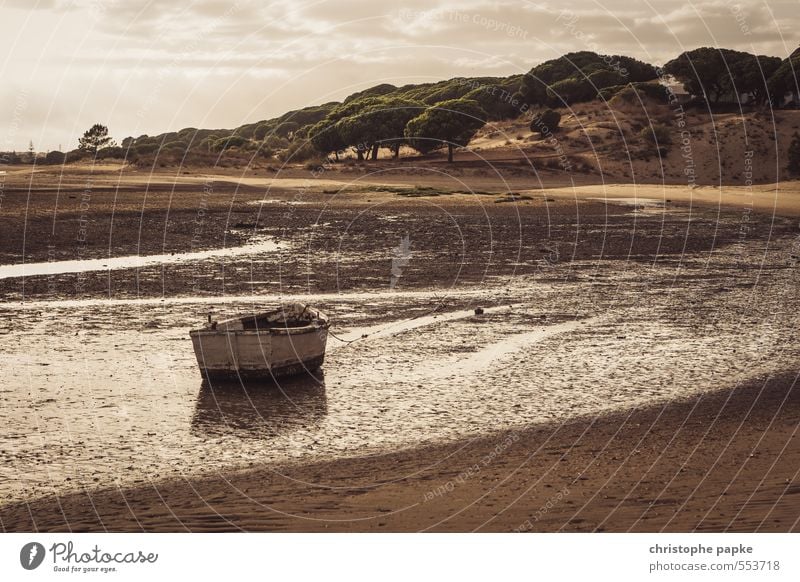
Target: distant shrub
(605, 78)
(204, 146)
(176, 145)
(655, 91)
(635, 92)
(275, 143)
(116, 152)
(573, 68)
(246, 131)
(224, 143)
(608, 93)
(375, 91)
(519, 102)
(261, 131)
(794, 154)
(55, 157)
(657, 135)
(446, 91)
(299, 151)
(145, 148)
(286, 128)
(300, 133)
(568, 91)
(496, 102)
(546, 122)
(264, 152)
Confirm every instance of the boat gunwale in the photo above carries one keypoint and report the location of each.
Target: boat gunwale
(318, 322)
(314, 327)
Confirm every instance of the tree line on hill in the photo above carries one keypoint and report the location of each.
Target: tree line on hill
(447, 114)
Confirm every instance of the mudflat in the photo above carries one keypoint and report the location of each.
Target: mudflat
(724, 461)
(634, 368)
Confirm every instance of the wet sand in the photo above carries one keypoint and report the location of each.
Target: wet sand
(340, 241)
(595, 309)
(100, 393)
(724, 461)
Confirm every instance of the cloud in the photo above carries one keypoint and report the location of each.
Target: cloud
(220, 63)
(31, 4)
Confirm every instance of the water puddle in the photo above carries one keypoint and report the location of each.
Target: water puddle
(396, 327)
(133, 261)
(266, 201)
(637, 202)
(258, 300)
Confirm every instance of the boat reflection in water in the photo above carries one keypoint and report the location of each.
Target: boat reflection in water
(259, 409)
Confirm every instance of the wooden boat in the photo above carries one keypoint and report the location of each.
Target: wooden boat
(286, 341)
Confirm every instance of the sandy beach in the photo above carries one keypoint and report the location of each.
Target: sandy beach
(725, 461)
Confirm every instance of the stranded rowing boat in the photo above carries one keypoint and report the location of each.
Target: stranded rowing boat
(289, 340)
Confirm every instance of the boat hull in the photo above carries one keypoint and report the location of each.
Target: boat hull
(231, 355)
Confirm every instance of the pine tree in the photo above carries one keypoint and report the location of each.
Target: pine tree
(95, 138)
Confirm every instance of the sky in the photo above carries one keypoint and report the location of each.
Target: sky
(146, 67)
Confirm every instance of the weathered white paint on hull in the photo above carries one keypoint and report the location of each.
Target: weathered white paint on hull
(289, 340)
(259, 353)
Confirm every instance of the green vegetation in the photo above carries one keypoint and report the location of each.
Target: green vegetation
(365, 124)
(605, 78)
(379, 125)
(430, 116)
(546, 122)
(55, 157)
(635, 93)
(784, 79)
(570, 91)
(657, 137)
(497, 101)
(794, 154)
(375, 91)
(223, 143)
(452, 123)
(94, 139)
(571, 78)
(711, 74)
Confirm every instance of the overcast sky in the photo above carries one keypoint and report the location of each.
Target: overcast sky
(143, 66)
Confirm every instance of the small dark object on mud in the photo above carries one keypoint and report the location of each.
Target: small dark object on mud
(479, 311)
(513, 198)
